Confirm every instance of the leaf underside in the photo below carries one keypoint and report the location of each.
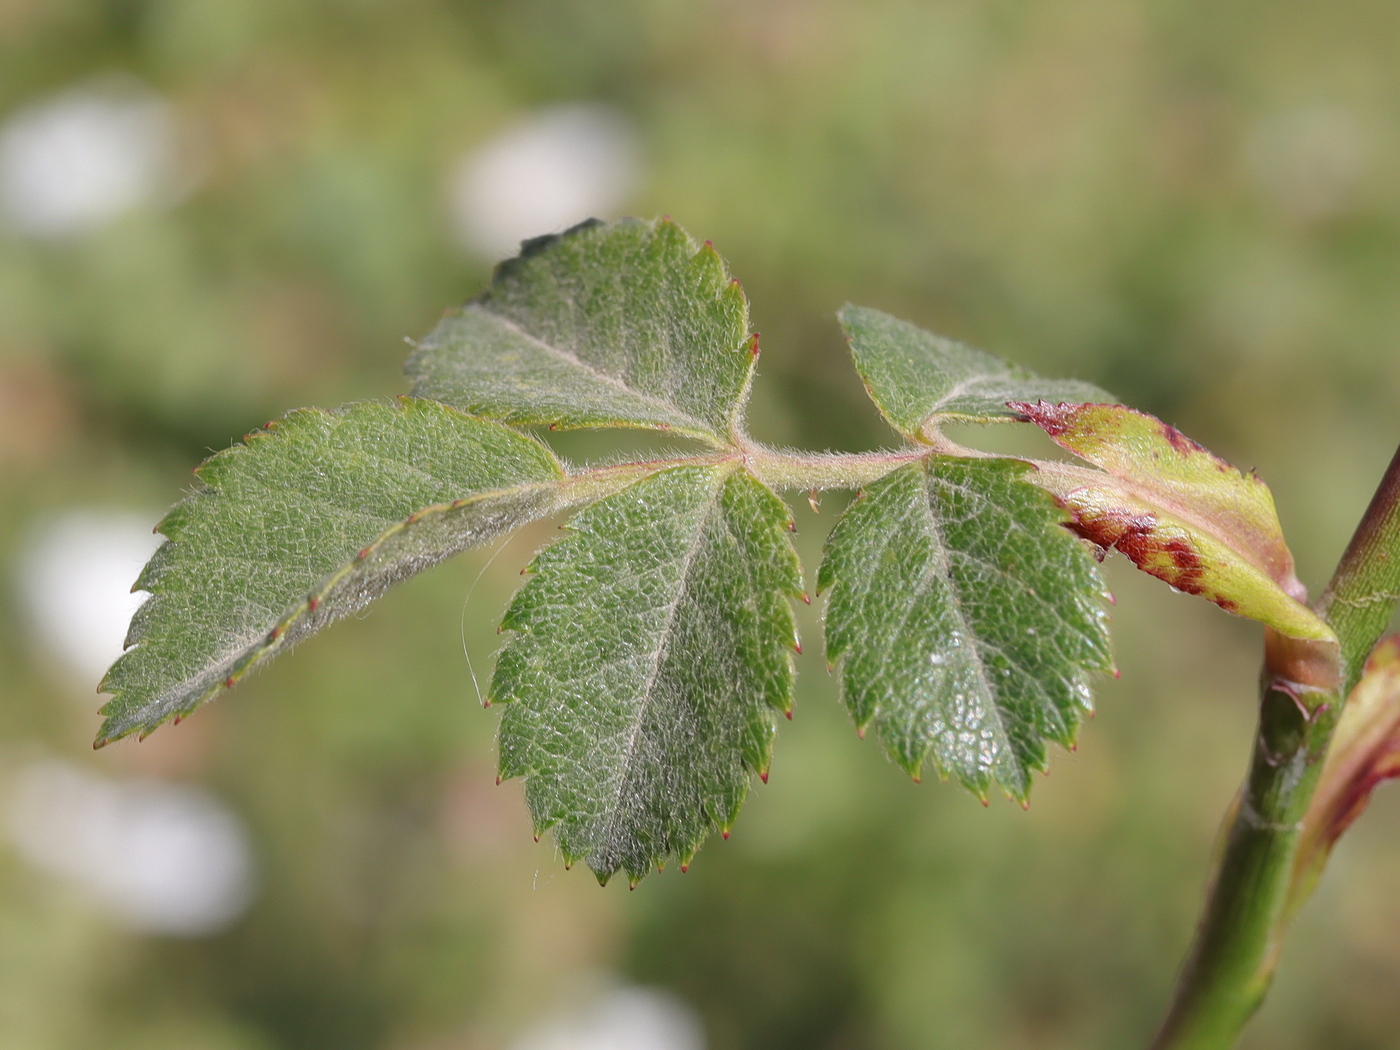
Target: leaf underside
(964, 619)
(628, 324)
(651, 648)
(1177, 510)
(306, 522)
(918, 379)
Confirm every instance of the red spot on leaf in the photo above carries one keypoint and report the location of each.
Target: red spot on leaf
(1138, 538)
(1053, 419)
(1181, 443)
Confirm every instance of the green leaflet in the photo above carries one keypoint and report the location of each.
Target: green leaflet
(651, 648)
(307, 521)
(918, 379)
(629, 324)
(964, 618)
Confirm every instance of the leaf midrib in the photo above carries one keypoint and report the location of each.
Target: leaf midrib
(972, 637)
(254, 642)
(659, 656)
(702, 429)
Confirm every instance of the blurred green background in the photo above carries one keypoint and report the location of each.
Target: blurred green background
(1196, 205)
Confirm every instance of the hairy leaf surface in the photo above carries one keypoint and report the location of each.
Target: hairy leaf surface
(964, 619)
(1177, 510)
(652, 646)
(629, 324)
(918, 379)
(307, 521)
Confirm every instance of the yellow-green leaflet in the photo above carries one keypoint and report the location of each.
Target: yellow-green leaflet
(1177, 510)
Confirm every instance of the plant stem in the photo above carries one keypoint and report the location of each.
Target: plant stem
(1302, 690)
(1361, 599)
(826, 470)
(778, 468)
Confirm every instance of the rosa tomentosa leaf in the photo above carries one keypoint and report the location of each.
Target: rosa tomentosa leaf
(964, 618)
(1365, 751)
(305, 522)
(918, 379)
(1177, 510)
(629, 324)
(651, 649)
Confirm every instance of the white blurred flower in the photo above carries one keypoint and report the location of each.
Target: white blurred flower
(163, 858)
(75, 578)
(557, 168)
(75, 160)
(628, 1019)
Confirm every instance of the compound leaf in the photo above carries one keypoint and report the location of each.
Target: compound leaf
(629, 324)
(919, 380)
(1177, 510)
(305, 522)
(651, 649)
(964, 619)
